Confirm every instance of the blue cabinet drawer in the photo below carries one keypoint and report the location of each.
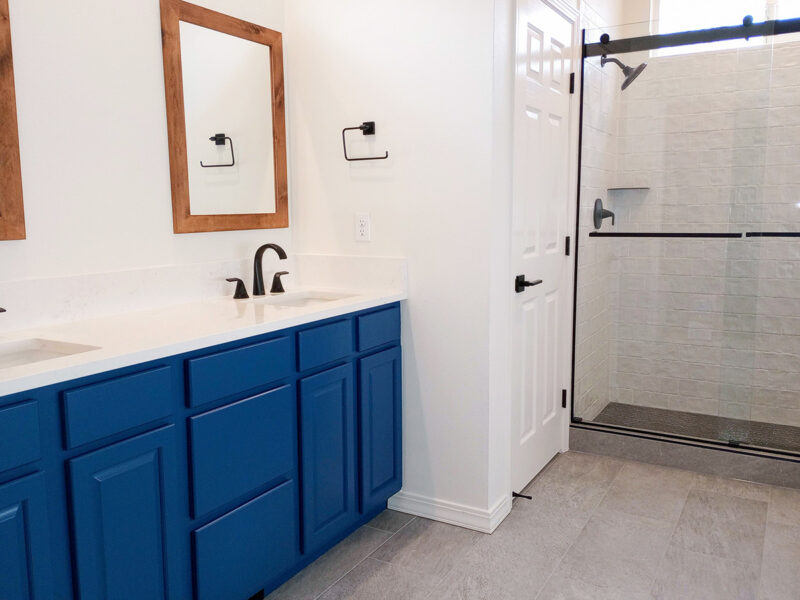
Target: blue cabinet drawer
(378, 328)
(240, 447)
(19, 435)
(103, 409)
(324, 344)
(231, 372)
(250, 548)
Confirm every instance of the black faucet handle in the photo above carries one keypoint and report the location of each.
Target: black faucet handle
(2, 310)
(241, 290)
(277, 284)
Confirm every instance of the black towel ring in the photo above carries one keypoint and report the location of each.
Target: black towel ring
(219, 140)
(367, 128)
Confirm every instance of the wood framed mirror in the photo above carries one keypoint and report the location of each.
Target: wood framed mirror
(12, 212)
(226, 121)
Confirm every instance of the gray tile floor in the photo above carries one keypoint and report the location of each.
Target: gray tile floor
(597, 528)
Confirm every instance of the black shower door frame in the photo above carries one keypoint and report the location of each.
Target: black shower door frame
(639, 44)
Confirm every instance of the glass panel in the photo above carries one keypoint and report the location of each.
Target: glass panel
(680, 329)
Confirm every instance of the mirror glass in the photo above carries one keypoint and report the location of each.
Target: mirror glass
(227, 93)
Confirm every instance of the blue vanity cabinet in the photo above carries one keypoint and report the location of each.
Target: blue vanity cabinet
(329, 456)
(215, 474)
(379, 409)
(24, 541)
(124, 515)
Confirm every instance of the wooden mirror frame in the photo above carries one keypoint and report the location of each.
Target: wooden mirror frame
(172, 13)
(12, 210)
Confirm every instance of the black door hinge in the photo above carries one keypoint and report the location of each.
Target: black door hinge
(563, 398)
(572, 83)
(567, 245)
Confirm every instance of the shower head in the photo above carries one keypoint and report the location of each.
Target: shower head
(630, 73)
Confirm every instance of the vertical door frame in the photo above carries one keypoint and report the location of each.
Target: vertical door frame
(575, 123)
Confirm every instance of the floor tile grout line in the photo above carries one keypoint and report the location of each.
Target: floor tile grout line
(591, 514)
(713, 556)
(671, 535)
(373, 551)
(763, 547)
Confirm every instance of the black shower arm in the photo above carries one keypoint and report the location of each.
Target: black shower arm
(604, 59)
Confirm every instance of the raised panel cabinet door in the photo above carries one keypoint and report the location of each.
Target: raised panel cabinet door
(329, 460)
(24, 541)
(380, 405)
(124, 511)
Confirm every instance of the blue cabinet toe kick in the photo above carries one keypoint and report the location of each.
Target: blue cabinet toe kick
(212, 475)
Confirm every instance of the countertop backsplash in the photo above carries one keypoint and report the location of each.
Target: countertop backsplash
(41, 302)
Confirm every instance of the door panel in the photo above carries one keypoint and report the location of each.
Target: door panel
(546, 33)
(123, 506)
(329, 461)
(24, 541)
(380, 428)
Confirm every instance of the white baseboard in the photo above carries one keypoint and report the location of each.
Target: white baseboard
(485, 521)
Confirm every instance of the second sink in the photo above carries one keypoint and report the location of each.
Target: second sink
(300, 298)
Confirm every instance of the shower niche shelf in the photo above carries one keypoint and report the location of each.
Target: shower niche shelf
(624, 188)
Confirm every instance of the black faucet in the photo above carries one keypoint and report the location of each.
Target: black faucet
(258, 274)
(2, 310)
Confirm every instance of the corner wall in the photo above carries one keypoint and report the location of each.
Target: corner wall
(594, 360)
(423, 72)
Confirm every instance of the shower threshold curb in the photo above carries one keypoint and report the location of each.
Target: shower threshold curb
(693, 455)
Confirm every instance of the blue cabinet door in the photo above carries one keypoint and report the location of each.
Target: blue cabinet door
(380, 405)
(124, 510)
(329, 460)
(24, 543)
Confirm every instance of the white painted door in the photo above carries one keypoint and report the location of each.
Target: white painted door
(546, 34)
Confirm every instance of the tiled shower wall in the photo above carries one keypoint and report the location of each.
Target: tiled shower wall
(594, 358)
(708, 326)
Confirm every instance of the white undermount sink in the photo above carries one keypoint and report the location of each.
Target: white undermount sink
(24, 352)
(300, 298)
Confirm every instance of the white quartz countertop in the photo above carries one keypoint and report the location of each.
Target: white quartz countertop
(136, 337)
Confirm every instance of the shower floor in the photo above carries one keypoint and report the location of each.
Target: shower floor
(710, 427)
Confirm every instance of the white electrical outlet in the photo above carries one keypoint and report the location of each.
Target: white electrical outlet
(363, 227)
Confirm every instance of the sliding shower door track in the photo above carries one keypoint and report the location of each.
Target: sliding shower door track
(683, 440)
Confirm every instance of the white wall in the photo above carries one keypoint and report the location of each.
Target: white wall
(423, 71)
(93, 140)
